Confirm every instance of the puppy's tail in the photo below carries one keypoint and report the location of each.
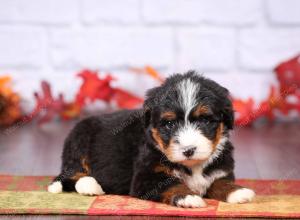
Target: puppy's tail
(62, 183)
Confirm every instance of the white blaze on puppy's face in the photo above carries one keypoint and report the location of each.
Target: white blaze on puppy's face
(189, 142)
(188, 95)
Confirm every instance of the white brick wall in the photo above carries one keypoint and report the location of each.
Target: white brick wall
(262, 48)
(285, 12)
(53, 12)
(206, 48)
(22, 47)
(111, 11)
(214, 12)
(111, 47)
(235, 42)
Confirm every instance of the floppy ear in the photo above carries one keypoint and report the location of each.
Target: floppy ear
(227, 108)
(146, 116)
(228, 114)
(150, 102)
(227, 111)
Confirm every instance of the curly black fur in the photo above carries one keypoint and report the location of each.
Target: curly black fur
(127, 151)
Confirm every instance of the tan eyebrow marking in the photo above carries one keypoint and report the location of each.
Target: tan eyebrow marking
(169, 115)
(200, 110)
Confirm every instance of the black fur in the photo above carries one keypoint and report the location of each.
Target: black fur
(122, 155)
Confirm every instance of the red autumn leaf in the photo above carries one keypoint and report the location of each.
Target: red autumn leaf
(126, 100)
(46, 106)
(244, 111)
(94, 88)
(288, 74)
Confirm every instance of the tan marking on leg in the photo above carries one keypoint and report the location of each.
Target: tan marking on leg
(220, 189)
(178, 190)
(85, 165)
(78, 175)
(86, 168)
(163, 169)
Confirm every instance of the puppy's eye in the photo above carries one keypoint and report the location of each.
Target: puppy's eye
(206, 120)
(169, 124)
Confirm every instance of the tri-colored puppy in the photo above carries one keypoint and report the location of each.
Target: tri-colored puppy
(175, 150)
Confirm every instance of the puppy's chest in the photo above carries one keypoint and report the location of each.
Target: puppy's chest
(197, 182)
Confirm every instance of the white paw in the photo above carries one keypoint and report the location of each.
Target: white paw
(191, 201)
(55, 187)
(88, 186)
(243, 195)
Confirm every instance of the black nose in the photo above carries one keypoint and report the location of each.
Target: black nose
(189, 152)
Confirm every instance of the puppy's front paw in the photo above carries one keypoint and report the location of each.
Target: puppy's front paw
(55, 187)
(243, 195)
(189, 201)
(88, 186)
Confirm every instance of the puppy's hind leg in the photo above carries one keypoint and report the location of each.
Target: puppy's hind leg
(70, 174)
(84, 185)
(62, 183)
(89, 186)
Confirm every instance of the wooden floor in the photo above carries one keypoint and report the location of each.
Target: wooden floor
(262, 152)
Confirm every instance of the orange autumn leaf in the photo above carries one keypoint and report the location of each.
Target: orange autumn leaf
(71, 110)
(150, 71)
(4, 88)
(153, 73)
(10, 110)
